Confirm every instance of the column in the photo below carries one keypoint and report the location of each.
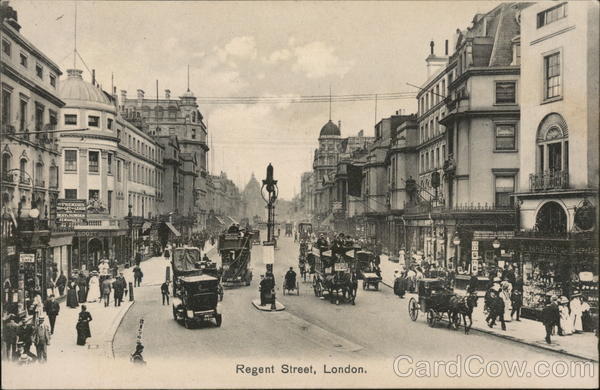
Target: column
(82, 169)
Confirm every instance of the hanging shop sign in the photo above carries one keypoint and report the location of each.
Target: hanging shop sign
(27, 258)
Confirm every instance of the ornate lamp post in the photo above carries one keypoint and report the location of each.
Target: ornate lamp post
(269, 192)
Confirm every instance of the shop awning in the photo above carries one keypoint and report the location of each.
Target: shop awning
(146, 227)
(60, 241)
(232, 220)
(220, 220)
(173, 229)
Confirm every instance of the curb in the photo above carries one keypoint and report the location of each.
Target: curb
(521, 341)
(110, 338)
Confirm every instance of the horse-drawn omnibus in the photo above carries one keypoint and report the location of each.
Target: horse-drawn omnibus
(235, 251)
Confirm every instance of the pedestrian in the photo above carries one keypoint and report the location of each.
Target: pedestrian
(37, 307)
(72, 295)
(167, 254)
(164, 289)
(566, 322)
(52, 309)
(61, 283)
(119, 288)
(137, 276)
(10, 332)
(41, 339)
(82, 287)
(106, 289)
(496, 310)
(505, 294)
(399, 284)
(138, 258)
(516, 299)
(576, 312)
(83, 326)
(95, 292)
(551, 318)
(25, 336)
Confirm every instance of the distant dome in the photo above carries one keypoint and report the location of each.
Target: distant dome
(74, 90)
(188, 94)
(330, 129)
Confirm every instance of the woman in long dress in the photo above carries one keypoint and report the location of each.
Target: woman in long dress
(505, 294)
(82, 285)
(94, 288)
(576, 312)
(565, 318)
(72, 301)
(83, 326)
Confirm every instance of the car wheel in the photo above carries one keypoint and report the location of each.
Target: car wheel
(219, 319)
(187, 323)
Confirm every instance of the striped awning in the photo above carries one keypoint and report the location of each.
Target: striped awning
(173, 229)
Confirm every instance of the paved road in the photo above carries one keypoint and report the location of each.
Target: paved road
(370, 334)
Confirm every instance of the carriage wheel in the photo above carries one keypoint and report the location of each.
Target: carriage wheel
(431, 318)
(413, 309)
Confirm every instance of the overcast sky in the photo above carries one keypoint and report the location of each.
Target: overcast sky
(255, 49)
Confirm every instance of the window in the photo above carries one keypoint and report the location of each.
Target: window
(53, 80)
(5, 165)
(552, 76)
(70, 161)
(23, 60)
(6, 106)
(506, 136)
(118, 170)
(39, 117)
(109, 163)
(109, 123)
(552, 15)
(23, 171)
(93, 161)
(505, 185)
(53, 117)
(22, 115)
(39, 71)
(109, 201)
(70, 193)
(39, 174)
(94, 195)
(119, 134)
(6, 47)
(53, 176)
(93, 121)
(506, 92)
(70, 119)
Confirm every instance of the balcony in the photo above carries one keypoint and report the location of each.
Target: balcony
(549, 180)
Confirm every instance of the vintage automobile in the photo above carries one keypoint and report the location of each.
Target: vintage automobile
(196, 299)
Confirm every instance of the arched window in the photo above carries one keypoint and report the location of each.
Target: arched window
(53, 176)
(551, 218)
(5, 165)
(552, 162)
(39, 174)
(23, 178)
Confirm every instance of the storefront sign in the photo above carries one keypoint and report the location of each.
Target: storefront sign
(474, 245)
(490, 235)
(10, 250)
(27, 258)
(71, 210)
(474, 254)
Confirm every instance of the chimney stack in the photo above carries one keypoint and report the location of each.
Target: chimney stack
(94, 77)
(431, 45)
(446, 52)
(167, 94)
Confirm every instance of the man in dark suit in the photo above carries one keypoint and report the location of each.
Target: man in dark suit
(551, 318)
(164, 289)
(51, 308)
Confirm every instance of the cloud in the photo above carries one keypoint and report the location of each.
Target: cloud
(239, 48)
(316, 60)
(279, 56)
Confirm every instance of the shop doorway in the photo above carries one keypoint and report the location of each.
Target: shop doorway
(551, 218)
(94, 252)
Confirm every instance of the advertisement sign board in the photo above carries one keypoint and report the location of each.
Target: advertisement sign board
(71, 210)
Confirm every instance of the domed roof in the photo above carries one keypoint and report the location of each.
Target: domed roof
(75, 90)
(330, 129)
(188, 94)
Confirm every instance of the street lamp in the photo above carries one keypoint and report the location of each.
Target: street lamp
(496, 243)
(269, 192)
(130, 223)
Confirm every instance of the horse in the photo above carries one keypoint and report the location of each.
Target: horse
(462, 307)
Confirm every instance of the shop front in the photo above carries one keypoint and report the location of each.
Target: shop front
(559, 266)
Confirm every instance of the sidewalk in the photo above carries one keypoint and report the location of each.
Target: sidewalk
(529, 332)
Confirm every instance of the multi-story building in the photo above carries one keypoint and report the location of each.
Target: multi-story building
(402, 168)
(252, 201)
(29, 109)
(324, 166)
(558, 183)
(167, 116)
(111, 166)
(307, 194)
(225, 202)
(482, 132)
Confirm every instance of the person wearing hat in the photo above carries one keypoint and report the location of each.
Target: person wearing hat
(41, 339)
(10, 330)
(399, 284)
(566, 323)
(83, 326)
(576, 312)
(52, 308)
(551, 317)
(496, 310)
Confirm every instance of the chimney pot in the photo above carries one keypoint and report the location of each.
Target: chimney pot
(431, 45)
(167, 94)
(94, 77)
(446, 51)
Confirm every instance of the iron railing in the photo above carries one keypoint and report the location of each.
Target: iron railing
(549, 180)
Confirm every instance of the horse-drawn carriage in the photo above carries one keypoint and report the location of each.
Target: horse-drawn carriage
(334, 276)
(305, 230)
(368, 270)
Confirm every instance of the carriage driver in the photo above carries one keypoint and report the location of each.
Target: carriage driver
(290, 279)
